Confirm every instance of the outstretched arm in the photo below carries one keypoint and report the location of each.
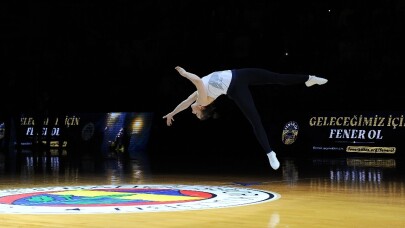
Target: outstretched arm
(180, 107)
(202, 96)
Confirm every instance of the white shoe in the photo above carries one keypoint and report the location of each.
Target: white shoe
(274, 163)
(312, 80)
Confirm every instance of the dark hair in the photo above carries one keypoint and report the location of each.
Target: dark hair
(208, 112)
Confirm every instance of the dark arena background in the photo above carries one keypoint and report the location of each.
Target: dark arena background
(102, 57)
(85, 86)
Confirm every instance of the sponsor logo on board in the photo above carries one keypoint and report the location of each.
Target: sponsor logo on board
(290, 133)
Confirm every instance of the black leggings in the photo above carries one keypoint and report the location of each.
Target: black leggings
(239, 92)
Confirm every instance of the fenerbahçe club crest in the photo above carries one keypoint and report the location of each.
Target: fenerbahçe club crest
(127, 198)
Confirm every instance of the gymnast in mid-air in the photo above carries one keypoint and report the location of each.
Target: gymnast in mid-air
(235, 84)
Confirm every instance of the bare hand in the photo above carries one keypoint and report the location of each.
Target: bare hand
(169, 119)
(181, 71)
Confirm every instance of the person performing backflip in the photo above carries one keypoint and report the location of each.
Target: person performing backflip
(235, 84)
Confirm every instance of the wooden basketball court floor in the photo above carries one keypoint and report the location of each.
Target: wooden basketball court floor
(314, 192)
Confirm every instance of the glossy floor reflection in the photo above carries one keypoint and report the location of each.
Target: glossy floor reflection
(353, 170)
(315, 192)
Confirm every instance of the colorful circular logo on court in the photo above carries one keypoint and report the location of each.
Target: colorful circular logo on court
(127, 198)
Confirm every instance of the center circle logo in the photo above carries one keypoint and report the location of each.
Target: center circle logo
(127, 198)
